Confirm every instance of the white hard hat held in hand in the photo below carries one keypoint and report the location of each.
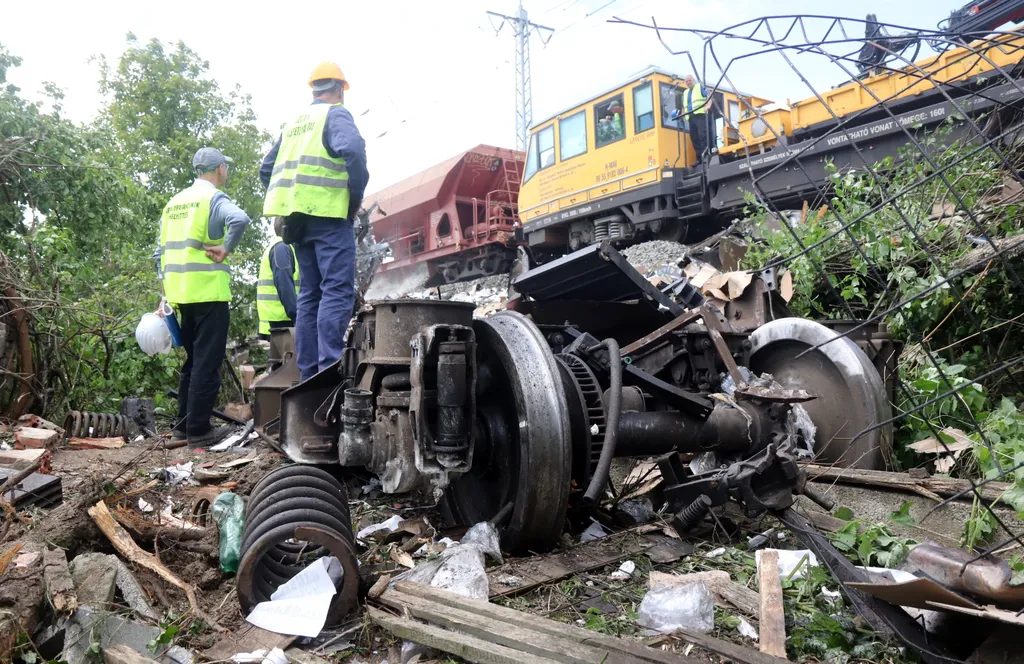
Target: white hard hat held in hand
(153, 335)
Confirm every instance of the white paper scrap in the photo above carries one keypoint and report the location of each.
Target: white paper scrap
(299, 607)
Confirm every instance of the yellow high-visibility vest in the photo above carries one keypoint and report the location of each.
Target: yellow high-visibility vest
(189, 276)
(694, 99)
(305, 177)
(268, 302)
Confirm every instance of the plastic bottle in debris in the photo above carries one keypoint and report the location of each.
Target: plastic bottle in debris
(228, 512)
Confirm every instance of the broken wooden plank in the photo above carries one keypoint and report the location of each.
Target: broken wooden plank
(737, 653)
(718, 582)
(127, 547)
(943, 486)
(115, 443)
(60, 589)
(247, 638)
(829, 523)
(527, 641)
(773, 619)
(541, 570)
(504, 618)
(460, 645)
(124, 655)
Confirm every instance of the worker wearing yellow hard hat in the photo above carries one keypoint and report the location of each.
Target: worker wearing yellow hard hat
(327, 73)
(315, 177)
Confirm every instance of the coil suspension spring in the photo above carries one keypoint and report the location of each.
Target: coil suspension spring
(86, 424)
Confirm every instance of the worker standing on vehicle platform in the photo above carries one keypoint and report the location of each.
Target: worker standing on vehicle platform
(315, 177)
(199, 228)
(695, 111)
(277, 285)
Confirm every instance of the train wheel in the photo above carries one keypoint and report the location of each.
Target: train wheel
(851, 411)
(672, 230)
(522, 455)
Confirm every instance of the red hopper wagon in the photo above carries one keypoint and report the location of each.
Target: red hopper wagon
(452, 222)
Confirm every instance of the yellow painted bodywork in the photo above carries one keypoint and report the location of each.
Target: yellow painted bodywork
(955, 65)
(634, 161)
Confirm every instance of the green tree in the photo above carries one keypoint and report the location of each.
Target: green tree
(79, 211)
(162, 106)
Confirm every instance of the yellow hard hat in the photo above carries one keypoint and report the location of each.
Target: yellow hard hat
(328, 71)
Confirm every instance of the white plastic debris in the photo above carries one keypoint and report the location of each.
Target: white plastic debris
(625, 571)
(461, 569)
(5, 447)
(594, 531)
(668, 608)
(747, 630)
(391, 525)
(715, 553)
(704, 463)
(510, 580)
(144, 506)
(790, 561)
(234, 440)
(299, 606)
(798, 422)
(179, 473)
(262, 656)
(594, 430)
(139, 438)
(832, 596)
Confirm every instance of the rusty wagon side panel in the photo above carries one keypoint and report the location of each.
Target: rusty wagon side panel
(459, 217)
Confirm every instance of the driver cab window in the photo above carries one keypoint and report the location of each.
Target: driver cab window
(542, 151)
(608, 123)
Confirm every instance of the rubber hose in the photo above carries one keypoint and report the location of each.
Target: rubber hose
(611, 432)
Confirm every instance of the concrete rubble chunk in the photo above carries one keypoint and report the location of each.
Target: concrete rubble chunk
(32, 438)
(60, 588)
(95, 577)
(93, 625)
(98, 576)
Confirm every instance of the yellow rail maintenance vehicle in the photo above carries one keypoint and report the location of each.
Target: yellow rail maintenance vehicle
(607, 168)
(619, 166)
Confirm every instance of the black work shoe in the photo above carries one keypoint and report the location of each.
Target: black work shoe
(178, 434)
(211, 437)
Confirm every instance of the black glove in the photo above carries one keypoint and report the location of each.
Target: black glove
(353, 208)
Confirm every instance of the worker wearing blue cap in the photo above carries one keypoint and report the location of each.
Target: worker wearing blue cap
(199, 228)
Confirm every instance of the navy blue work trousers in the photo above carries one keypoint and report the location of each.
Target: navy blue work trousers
(326, 253)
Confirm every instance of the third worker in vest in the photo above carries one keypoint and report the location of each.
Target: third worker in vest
(315, 177)
(695, 110)
(278, 285)
(199, 228)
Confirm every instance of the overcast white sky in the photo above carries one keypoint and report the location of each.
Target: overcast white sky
(429, 79)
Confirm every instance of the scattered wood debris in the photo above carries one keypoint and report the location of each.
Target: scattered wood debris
(127, 547)
(540, 570)
(772, 617)
(483, 632)
(727, 591)
(113, 443)
(930, 487)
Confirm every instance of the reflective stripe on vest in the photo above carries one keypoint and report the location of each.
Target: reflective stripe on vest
(695, 101)
(268, 303)
(189, 276)
(305, 177)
